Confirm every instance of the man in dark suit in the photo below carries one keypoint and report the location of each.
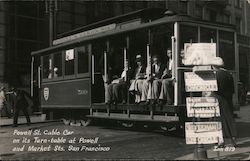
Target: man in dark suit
(166, 95)
(137, 79)
(224, 95)
(225, 86)
(20, 103)
(152, 85)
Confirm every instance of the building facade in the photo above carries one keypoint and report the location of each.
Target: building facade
(25, 26)
(22, 30)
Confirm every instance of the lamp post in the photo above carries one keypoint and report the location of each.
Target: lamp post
(51, 7)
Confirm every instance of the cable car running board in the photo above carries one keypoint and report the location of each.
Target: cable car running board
(134, 117)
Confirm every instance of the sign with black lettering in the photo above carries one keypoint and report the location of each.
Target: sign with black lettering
(203, 132)
(85, 34)
(200, 82)
(202, 107)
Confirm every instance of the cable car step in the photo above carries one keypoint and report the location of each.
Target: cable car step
(134, 117)
(136, 107)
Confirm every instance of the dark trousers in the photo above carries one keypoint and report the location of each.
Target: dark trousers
(117, 92)
(7, 110)
(167, 91)
(25, 112)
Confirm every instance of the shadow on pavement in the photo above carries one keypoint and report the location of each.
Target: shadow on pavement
(243, 129)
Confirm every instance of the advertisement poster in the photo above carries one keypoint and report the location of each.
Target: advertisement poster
(203, 132)
(199, 53)
(200, 82)
(202, 107)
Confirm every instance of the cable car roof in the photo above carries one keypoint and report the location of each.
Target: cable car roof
(146, 21)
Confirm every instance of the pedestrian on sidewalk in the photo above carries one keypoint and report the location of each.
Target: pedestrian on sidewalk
(3, 102)
(20, 103)
(224, 94)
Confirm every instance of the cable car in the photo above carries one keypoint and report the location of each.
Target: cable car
(69, 77)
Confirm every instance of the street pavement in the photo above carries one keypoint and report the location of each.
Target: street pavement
(242, 149)
(111, 141)
(123, 143)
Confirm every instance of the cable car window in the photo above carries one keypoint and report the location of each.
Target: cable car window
(138, 44)
(47, 66)
(188, 34)
(57, 65)
(116, 56)
(98, 48)
(161, 41)
(83, 59)
(69, 62)
(207, 35)
(226, 49)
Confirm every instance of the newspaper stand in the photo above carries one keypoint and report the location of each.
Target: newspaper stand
(200, 108)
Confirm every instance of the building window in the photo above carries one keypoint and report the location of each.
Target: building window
(227, 18)
(199, 11)
(183, 6)
(212, 15)
(207, 35)
(238, 25)
(238, 3)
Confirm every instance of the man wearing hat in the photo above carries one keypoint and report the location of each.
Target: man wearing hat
(2, 99)
(166, 95)
(152, 86)
(137, 81)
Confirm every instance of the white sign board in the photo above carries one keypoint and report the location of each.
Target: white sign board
(199, 53)
(200, 82)
(203, 107)
(69, 54)
(85, 34)
(203, 132)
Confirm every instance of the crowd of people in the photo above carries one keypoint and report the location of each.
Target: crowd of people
(152, 84)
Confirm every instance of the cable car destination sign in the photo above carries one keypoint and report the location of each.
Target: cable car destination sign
(85, 34)
(203, 132)
(203, 107)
